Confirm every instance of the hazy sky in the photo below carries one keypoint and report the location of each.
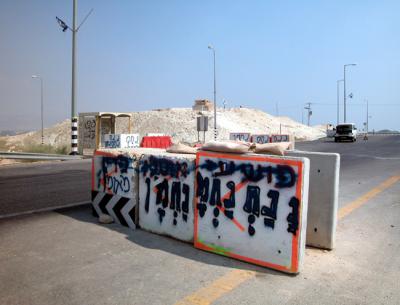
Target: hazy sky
(141, 55)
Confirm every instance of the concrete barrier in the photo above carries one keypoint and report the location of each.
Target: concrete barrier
(115, 183)
(283, 138)
(260, 138)
(121, 140)
(323, 197)
(166, 190)
(252, 208)
(239, 136)
(255, 208)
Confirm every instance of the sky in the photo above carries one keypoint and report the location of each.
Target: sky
(142, 55)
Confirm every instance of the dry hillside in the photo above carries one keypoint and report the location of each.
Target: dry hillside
(180, 123)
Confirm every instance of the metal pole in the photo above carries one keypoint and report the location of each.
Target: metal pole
(41, 106)
(344, 89)
(309, 113)
(74, 118)
(338, 101)
(215, 101)
(367, 117)
(344, 94)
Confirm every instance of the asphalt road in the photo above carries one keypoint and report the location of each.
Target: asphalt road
(40, 185)
(66, 257)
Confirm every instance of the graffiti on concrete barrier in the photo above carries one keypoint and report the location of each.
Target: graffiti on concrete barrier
(240, 136)
(121, 140)
(244, 203)
(112, 140)
(113, 174)
(166, 195)
(131, 140)
(113, 185)
(88, 132)
(260, 138)
(280, 138)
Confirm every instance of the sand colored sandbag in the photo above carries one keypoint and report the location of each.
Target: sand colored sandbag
(272, 148)
(105, 219)
(180, 148)
(227, 146)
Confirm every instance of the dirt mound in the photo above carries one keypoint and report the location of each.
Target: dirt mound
(180, 123)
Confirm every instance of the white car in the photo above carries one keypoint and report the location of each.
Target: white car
(346, 132)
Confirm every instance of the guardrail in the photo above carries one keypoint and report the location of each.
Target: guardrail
(36, 156)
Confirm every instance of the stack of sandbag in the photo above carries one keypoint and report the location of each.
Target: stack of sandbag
(240, 147)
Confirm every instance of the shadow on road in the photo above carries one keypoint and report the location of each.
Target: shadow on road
(167, 244)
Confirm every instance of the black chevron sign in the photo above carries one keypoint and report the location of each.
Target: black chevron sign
(121, 209)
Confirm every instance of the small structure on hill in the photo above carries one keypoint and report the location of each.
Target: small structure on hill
(203, 105)
(94, 125)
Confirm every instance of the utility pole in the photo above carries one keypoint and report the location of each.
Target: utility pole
(215, 96)
(366, 123)
(367, 116)
(344, 89)
(74, 118)
(74, 30)
(308, 108)
(41, 102)
(338, 101)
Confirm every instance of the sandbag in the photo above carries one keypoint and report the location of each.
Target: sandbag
(105, 219)
(227, 146)
(180, 148)
(272, 148)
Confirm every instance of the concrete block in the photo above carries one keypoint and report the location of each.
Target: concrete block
(121, 140)
(323, 197)
(115, 186)
(260, 138)
(252, 208)
(166, 190)
(239, 136)
(115, 183)
(283, 138)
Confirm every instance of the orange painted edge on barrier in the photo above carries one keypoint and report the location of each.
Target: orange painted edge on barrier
(295, 239)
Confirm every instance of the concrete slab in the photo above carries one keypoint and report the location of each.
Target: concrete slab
(115, 183)
(166, 190)
(323, 197)
(252, 207)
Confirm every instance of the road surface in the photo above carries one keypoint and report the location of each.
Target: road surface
(39, 185)
(66, 257)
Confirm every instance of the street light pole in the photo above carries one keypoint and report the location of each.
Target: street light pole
(74, 118)
(74, 30)
(338, 100)
(367, 118)
(308, 108)
(344, 89)
(215, 96)
(41, 102)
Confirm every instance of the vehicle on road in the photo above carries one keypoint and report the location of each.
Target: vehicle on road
(330, 131)
(346, 132)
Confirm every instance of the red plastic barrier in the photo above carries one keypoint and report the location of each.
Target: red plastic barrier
(156, 142)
